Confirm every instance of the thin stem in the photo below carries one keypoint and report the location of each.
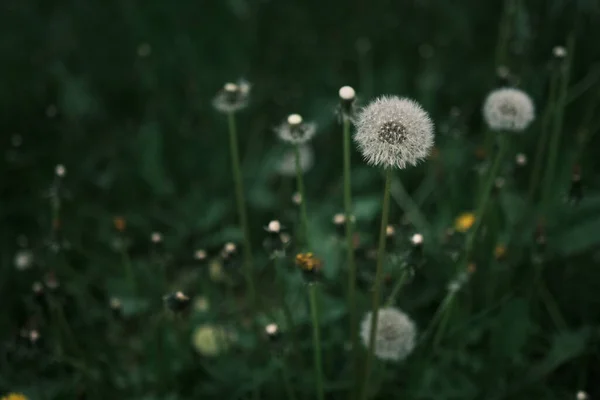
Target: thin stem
(543, 139)
(485, 195)
(128, 268)
(445, 316)
(300, 182)
(241, 206)
(378, 280)
(350, 248)
(401, 281)
(314, 311)
(505, 32)
(557, 125)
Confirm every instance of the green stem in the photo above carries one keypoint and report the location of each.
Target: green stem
(350, 248)
(505, 32)
(128, 268)
(445, 316)
(314, 310)
(286, 381)
(241, 206)
(401, 281)
(300, 182)
(485, 196)
(557, 125)
(543, 139)
(378, 280)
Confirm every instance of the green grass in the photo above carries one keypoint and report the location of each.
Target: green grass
(136, 131)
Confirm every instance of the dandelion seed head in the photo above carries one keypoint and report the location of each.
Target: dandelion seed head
(271, 329)
(521, 159)
(287, 164)
(390, 230)
(295, 131)
(347, 93)
(230, 247)
(285, 238)
(394, 336)
(394, 132)
(232, 97)
(200, 255)
(274, 226)
(297, 198)
(156, 237)
(34, 335)
(508, 109)
(581, 395)
(339, 219)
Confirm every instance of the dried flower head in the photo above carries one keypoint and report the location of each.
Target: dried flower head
(23, 260)
(294, 130)
(394, 132)
(287, 164)
(508, 109)
(232, 97)
(395, 334)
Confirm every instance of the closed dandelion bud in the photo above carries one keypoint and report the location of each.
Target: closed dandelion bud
(393, 132)
(394, 336)
(295, 131)
(232, 97)
(287, 164)
(509, 110)
(177, 301)
(347, 99)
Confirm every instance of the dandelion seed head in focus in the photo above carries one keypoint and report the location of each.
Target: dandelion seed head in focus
(393, 132)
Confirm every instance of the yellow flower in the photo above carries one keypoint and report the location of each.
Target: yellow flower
(14, 396)
(464, 222)
(210, 340)
(308, 262)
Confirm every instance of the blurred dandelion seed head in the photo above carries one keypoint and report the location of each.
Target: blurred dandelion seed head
(395, 334)
(60, 170)
(156, 237)
(297, 198)
(339, 219)
(508, 109)
(23, 260)
(271, 329)
(559, 52)
(394, 132)
(416, 239)
(210, 340)
(287, 164)
(521, 159)
(200, 255)
(274, 226)
(390, 230)
(295, 131)
(581, 395)
(115, 303)
(232, 97)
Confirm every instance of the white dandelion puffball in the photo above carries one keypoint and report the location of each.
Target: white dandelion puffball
(287, 164)
(508, 110)
(295, 130)
(395, 334)
(394, 132)
(233, 97)
(23, 260)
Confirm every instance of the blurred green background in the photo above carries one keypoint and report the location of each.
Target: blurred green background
(119, 92)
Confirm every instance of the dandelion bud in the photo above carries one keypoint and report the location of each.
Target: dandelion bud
(559, 52)
(287, 164)
(156, 237)
(177, 301)
(23, 260)
(394, 336)
(232, 97)
(508, 110)
(521, 160)
(60, 170)
(295, 130)
(393, 132)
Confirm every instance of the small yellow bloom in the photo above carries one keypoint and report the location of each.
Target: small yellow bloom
(500, 251)
(308, 262)
(14, 396)
(464, 222)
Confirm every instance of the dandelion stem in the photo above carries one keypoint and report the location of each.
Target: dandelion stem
(239, 194)
(557, 124)
(314, 310)
(378, 279)
(128, 268)
(401, 281)
(300, 188)
(485, 195)
(543, 140)
(350, 246)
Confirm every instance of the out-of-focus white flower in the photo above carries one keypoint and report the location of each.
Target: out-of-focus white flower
(508, 109)
(23, 260)
(394, 336)
(210, 340)
(232, 97)
(394, 132)
(295, 130)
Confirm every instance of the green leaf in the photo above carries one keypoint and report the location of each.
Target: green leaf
(579, 238)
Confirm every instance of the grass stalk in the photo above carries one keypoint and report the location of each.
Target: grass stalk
(314, 311)
(378, 281)
(241, 205)
(300, 188)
